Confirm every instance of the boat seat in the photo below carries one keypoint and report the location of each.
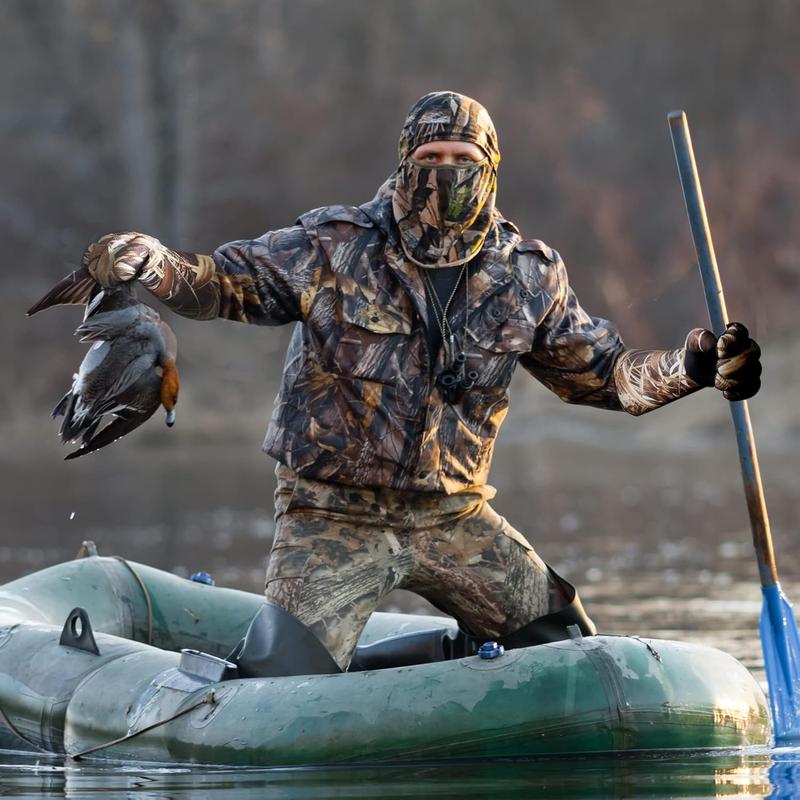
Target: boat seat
(417, 647)
(446, 642)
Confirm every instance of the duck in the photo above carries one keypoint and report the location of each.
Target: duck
(128, 372)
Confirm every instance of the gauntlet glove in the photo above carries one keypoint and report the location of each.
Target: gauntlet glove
(731, 363)
(185, 281)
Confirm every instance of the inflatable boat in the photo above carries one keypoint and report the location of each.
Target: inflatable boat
(105, 658)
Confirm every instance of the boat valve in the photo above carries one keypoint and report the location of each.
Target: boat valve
(491, 650)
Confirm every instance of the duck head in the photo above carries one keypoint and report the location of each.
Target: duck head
(170, 381)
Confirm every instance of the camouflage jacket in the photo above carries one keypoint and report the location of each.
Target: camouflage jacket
(358, 403)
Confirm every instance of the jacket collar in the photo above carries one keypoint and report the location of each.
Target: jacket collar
(489, 272)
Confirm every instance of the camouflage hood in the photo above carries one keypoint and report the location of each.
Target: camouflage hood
(445, 212)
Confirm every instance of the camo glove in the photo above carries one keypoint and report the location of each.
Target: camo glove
(119, 257)
(187, 282)
(731, 363)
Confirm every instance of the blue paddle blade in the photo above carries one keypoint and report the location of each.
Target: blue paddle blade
(781, 645)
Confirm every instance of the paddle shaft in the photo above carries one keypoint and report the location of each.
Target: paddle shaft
(718, 313)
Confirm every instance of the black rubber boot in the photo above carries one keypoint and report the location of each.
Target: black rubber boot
(277, 644)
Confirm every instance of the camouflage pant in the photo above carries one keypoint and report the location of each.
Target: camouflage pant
(339, 550)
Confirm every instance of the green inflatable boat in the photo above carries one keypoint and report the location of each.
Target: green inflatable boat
(105, 658)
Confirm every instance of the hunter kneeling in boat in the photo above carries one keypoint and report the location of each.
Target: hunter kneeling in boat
(412, 312)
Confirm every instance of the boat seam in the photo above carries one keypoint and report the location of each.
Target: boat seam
(146, 594)
(18, 733)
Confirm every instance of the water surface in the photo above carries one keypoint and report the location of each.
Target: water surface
(755, 773)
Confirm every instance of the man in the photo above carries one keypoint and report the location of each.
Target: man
(413, 311)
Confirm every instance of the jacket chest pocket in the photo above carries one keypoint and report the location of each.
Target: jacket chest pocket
(373, 340)
(498, 344)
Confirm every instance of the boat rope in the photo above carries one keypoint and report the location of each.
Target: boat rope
(146, 594)
(209, 699)
(17, 732)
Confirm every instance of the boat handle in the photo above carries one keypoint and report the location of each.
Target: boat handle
(80, 638)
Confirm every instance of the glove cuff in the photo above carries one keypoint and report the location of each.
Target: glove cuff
(700, 357)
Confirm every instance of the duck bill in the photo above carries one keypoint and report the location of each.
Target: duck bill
(170, 418)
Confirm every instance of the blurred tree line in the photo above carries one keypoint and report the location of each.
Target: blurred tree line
(202, 122)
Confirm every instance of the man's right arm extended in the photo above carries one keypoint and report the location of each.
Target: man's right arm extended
(266, 281)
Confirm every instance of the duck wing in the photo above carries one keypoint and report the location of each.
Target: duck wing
(125, 422)
(75, 289)
(110, 378)
(80, 288)
(78, 405)
(127, 417)
(129, 390)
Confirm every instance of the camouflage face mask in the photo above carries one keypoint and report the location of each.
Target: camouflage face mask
(444, 212)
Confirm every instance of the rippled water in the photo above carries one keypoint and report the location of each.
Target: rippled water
(756, 773)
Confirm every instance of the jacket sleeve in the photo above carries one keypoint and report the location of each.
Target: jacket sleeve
(266, 281)
(583, 359)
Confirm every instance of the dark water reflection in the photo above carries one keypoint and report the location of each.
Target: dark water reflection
(755, 773)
